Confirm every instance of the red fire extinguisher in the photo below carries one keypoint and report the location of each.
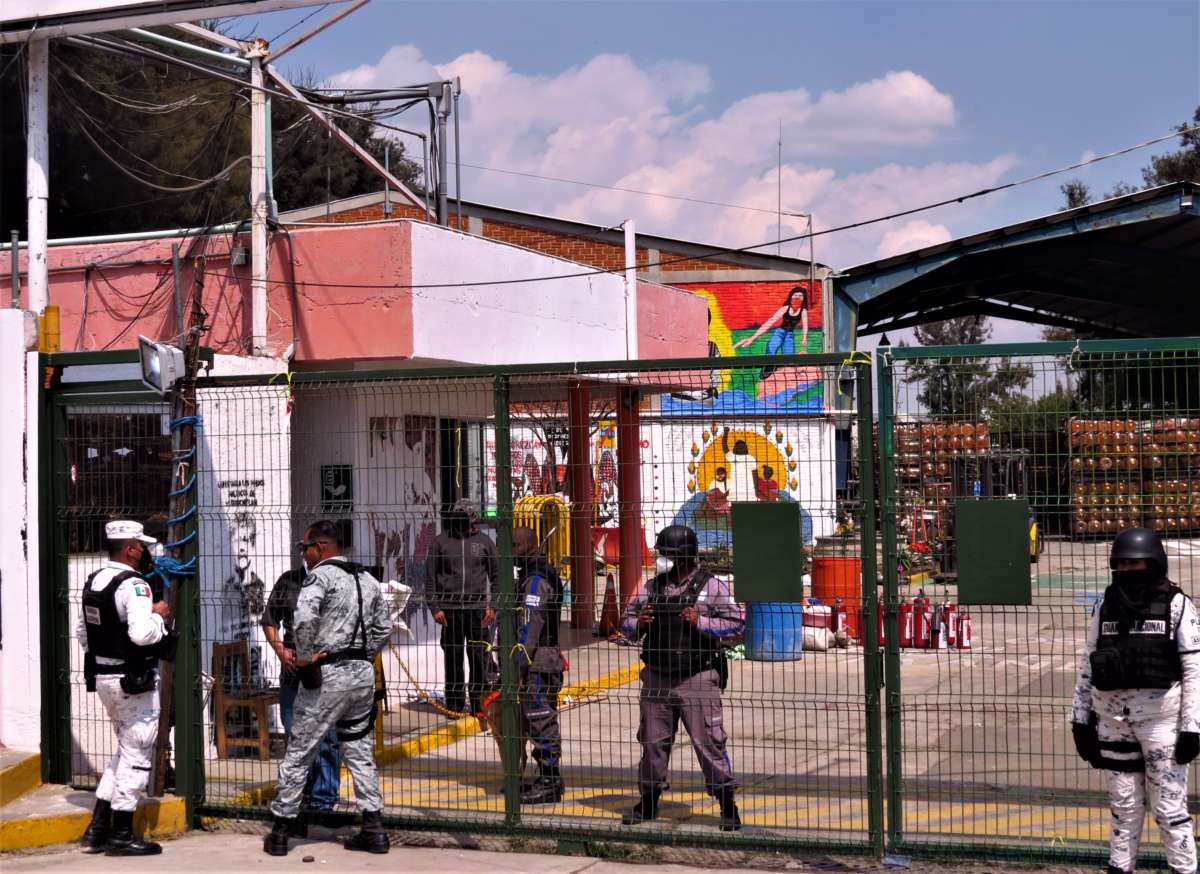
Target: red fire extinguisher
(906, 624)
(950, 612)
(837, 616)
(921, 620)
(937, 634)
(964, 631)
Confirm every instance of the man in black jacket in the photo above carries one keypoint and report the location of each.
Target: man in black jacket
(460, 575)
(540, 664)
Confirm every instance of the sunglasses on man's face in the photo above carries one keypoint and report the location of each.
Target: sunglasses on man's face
(302, 545)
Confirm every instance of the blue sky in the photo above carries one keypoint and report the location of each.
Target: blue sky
(884, 105)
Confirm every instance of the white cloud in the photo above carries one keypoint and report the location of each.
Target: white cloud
(614, 122)
(911, 235)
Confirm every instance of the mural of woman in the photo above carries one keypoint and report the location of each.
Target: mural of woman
(782, 325)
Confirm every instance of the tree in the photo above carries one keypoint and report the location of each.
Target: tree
(1181, 166)
(113, 117)
(963, 386)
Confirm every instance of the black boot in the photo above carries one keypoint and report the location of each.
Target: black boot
(298, 827)
(95, 838)
(372, 838)
(1113, 869)
(546, 789)
(122, 841)
(276, 843)
(731, 820)
(645, 810)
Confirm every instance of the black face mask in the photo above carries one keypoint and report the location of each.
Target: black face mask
(1136, 583)
(146, 563)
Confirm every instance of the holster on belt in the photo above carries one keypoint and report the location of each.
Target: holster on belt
(310, 676)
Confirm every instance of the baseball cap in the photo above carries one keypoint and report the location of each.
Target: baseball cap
(465, 505)
(123, 529)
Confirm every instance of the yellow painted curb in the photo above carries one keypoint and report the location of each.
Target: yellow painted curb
(155, 818)
(24, 776)
(468, 726)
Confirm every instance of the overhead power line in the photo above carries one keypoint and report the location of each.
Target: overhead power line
(725, 251)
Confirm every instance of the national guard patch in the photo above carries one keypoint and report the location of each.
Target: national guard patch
(141, 590)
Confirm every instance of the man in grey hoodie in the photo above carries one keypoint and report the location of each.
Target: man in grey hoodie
(460, 573)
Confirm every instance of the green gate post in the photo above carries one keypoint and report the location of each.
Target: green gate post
(55, 591)
(507, 609)
(887, 507)
(872, 668)
(189, 692)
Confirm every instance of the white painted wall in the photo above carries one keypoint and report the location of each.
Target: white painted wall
(580, 319)
(20, 658)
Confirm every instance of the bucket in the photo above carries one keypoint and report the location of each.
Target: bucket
(774, 631)
(837, 573)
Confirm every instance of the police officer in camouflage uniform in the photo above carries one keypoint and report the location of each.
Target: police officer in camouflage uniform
(539, 662)
(123, 633)
(683, 615)
(1136, 708)
(341, 623)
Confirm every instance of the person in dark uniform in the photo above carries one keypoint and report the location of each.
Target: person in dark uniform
(321, 788)
(539, 662)
(123, 634)
(682, 616)
(460, 572)
(1136, 708)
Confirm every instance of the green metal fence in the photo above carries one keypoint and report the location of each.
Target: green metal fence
(1094, 437)
(575, 452)
(961, 751)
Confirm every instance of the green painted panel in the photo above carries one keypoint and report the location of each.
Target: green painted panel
(766, 552)
(992, 539)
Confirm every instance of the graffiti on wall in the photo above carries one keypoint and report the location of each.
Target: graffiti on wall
(757, 318)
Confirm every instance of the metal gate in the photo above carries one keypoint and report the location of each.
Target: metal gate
(615, 451)
(1094, 436)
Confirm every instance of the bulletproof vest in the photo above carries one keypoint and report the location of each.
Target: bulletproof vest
(107, 634)
(551, 601)
(1135, 648)
(671, 645)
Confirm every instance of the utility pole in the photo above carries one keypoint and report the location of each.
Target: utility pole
(441, 91)
(37, 171)
(631, 328)
(256, 52)
(182, 538)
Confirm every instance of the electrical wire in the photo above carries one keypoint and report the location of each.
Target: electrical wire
(20, 50)
(318, 11)
(174, 189)
(725, 251)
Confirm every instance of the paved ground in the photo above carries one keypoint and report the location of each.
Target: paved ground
(231, 851)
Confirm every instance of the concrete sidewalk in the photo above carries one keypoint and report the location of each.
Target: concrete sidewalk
(242, 851)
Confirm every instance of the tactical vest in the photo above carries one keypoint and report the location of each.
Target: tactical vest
(671, 645)
(1136, 650)
(551, 603)
(107, 634)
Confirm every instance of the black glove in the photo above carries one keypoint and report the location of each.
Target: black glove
(1087, 743)
(1187, 747)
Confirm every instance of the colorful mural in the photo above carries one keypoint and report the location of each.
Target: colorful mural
(757, 318)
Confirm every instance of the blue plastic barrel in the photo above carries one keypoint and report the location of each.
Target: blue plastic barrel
(774, 631)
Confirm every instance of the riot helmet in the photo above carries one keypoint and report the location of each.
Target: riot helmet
(1135, 543)
(678, 542)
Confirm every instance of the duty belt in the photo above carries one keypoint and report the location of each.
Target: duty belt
(347, 655)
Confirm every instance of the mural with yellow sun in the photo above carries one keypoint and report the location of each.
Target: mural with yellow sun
(767, 448)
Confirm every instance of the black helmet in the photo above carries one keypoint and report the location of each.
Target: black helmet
(678, 541)
(1134, 543)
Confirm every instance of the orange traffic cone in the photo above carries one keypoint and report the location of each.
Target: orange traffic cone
(610, 615)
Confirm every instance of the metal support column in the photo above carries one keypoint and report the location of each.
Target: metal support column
(37, 173)
(582, 569)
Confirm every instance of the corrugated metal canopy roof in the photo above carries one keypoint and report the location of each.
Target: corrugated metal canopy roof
(1126, 266)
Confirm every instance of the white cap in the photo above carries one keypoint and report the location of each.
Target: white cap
(123, 529)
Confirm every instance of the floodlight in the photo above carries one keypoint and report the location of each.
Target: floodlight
(162, 365)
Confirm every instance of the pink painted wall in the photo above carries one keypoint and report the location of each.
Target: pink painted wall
(672, 323)
(331, 290)
(129, 290)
